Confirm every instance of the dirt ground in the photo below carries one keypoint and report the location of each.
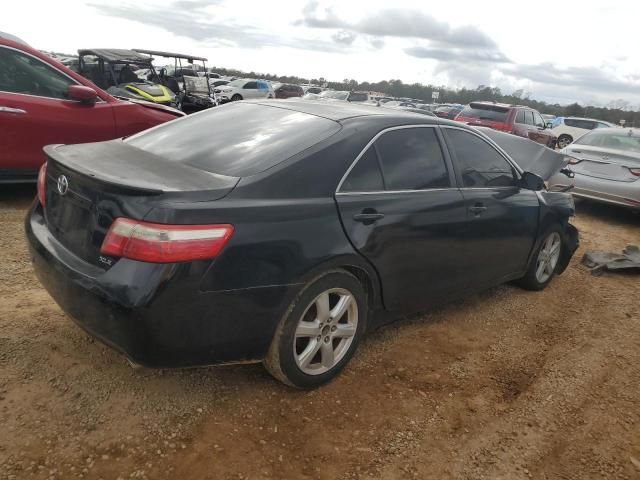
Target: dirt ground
(507, 385)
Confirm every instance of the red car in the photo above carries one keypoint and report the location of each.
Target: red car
(287, 90)
(43, 102)
(516, 119)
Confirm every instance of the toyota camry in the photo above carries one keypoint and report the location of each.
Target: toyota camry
(281, 232)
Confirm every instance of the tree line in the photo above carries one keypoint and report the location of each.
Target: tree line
(614, 112)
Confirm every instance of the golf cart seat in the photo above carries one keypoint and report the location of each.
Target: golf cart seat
(127, 76)
(172, 84)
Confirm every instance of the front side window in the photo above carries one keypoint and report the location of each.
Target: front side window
(20, 73)
(528, 117)
(251, 85)
(539, 121)
(411, 159)
(480, 164)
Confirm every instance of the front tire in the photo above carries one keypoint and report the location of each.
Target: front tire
(564, 140)
(545, 262)
(236, 97)
(319, 332)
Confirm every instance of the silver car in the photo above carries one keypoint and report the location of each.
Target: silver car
(606, 163)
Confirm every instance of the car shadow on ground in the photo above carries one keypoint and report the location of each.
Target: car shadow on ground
(17, 195)
(608, 213)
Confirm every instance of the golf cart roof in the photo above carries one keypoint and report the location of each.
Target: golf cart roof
(169, 54)
(116, 55)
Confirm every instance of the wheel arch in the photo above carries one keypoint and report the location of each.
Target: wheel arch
(357, 267)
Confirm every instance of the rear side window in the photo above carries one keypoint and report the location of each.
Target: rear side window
(411, 159)
(481, 165)
(248, 138)
(520, 117)
(580, 123)
(366, 175)
(485, 112)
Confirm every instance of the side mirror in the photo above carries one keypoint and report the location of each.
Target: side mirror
(82, 94)
(549, 124)
(531, 181)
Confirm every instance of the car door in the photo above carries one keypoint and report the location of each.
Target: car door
(520, 126)
(502, 217)
(543, 135)
(35, 112)
(402, 211)
(250, 90)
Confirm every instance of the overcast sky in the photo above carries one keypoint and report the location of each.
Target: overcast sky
(561, 51)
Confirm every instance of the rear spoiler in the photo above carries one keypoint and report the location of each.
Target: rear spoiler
(122, 166)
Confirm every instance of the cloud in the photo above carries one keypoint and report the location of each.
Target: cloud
(457, 54)
(344, 37)
(396, 22)
(590, 78)
(189, 18)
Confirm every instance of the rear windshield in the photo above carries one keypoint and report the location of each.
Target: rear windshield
(613, 140)
(485, 112)
(237, 139)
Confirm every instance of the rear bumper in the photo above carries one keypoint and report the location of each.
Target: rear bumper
(154, 313)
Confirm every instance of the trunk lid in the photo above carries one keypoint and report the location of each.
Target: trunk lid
(604, 163)
(90, 185)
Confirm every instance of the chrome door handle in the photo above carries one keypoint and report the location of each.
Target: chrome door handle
(12, 110)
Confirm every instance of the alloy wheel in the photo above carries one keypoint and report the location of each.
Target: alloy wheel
(325, 331)
(548, 257)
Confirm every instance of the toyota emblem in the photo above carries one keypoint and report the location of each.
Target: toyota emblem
(63, 185)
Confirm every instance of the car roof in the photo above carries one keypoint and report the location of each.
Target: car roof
(584, 118)
(501, 105)
(117, 55)
(339, 111)
(13, 38)
(169, 54)
(631, 132)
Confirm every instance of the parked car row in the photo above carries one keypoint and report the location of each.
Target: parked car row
(43, 102)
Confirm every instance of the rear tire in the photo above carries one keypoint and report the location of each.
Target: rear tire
(545, 261)
(564, 140)
(319, 332)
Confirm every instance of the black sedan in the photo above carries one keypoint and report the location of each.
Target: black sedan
(282, 232)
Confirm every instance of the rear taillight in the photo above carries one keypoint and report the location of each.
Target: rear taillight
(42, 184)
(160, 243)
(635, 171)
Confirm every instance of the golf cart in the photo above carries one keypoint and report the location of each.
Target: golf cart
(113, 71)
(193, 92)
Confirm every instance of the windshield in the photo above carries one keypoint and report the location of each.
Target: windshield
(196, 84)
(489, 112)
(625, 140)
(338, 95)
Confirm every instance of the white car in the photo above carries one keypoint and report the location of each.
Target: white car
(244, 88)
(569, 129)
